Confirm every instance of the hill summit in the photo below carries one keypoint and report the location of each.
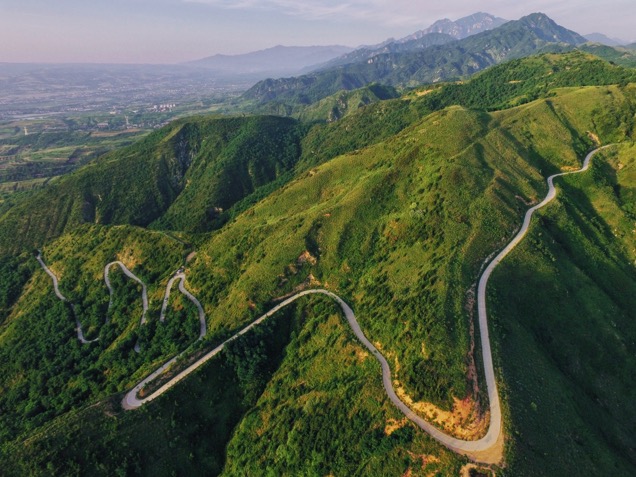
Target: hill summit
(461, 28)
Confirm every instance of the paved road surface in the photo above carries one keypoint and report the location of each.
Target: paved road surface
(131, 401)
(78, 325)
(203, 328)
(131, 275)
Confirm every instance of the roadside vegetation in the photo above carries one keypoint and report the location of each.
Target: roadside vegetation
(567, 357)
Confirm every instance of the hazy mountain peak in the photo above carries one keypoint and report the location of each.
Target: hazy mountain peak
(548, 30)
(461, 28)
(604, 39)
(424, 60)
(277, 60)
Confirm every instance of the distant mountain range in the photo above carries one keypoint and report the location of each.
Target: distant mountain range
(420, 42)
(439, 33)
(604, 39)
(314, 65)
(276, 61)
(460, 29)
(422, 59)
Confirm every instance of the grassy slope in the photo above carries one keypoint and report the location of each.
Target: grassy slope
(411, 218)
(619, 55)
(219, 163)
(355, 252)
(400, 229)
(345, 103)
(215, 162)
(520, 81)
(325, 412)
(235, 158)
(568, 356)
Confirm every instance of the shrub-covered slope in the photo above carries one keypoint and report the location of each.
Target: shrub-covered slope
(342, 104)
(223, 165)
(45, 370)
(215, 162)
(520, 81)
(563, 314)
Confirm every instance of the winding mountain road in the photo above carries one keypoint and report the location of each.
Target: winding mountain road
(144, 297)
(179, 275)
(56, 288)
(488, 449)
(132, 276)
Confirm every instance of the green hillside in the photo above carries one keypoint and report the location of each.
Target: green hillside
(567, 334)
(623, 56)
(342, 104)
(226, 164)
(215, 162)
(395, 207)
(46, 371)
(520, 81)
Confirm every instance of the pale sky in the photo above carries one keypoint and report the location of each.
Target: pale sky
(170, 31)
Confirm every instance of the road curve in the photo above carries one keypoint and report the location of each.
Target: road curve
(131, 275)
(493, 396)
(56, 288)
(179, 275)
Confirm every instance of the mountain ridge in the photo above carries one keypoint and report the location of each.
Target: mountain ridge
(364, 54)
(400, 228)
(604, 39)
(454, 60)
(196, 159)
(439, 33)
(278, 59)
(460, 28)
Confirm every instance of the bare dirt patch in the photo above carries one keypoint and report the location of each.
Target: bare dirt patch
(393, 425)
(128, 257)
(464, 421)
(426, 460)
(306, 257)
(473, 470)
(525, 202)
(424, 92)
(471, 372)
(594, 138)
